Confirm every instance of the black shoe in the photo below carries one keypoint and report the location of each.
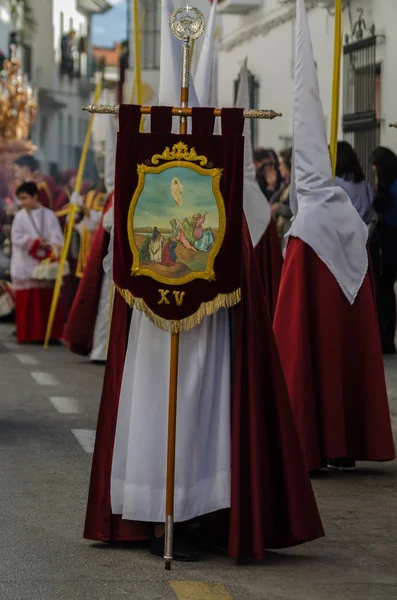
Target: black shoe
(389, 349)
(323, 468)
(342, 464)
(203, 539)
(182, 550)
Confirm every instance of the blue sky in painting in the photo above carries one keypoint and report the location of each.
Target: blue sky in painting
(156, 206)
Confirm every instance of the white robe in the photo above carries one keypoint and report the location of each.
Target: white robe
(202, 477)
(24, 233)
(100, 340)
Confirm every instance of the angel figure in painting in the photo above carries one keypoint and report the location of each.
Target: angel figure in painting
(176, 191)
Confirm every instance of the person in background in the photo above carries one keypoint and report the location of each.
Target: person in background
(267, 173)
(27, 168)
(66, 189)
(280, 200)
(35, 234)
(350, 177)
(384, 162)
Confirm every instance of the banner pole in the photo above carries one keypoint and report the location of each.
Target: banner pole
(187, 38)
(70, 224)
(336, 84)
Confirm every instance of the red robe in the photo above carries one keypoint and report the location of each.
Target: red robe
(272, 502)
(32, 307)
(332, 359)
(270, 262)
(47, 191)
(80, 326)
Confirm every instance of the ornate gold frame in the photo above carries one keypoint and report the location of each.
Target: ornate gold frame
(179, 156)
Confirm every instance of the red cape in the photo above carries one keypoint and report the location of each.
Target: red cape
(332, 360)
(270, 262)
(80, 326)
(272, 502)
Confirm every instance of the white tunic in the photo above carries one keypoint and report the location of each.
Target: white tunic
(102, 324)
(202, 478)
(26, 229)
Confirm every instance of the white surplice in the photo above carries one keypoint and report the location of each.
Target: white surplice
(202, 478)
(100, 339)
(27, 227)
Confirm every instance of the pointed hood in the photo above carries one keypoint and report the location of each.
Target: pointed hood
(110, 151)
(325, 218)
(256, 207)
(171, 63)
(203, 77)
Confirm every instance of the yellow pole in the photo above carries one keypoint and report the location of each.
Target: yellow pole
(137, 53)
(70, 225)
(133, 85)
(336, 84)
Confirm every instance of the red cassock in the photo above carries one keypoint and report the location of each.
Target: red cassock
(80, 326)
(332, 359)
(272, 502)
(270, 262)
(32, 307)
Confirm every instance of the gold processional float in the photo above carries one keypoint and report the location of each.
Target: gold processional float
(187, 24)
(18, 111)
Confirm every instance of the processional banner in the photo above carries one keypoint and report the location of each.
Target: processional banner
(178, 215)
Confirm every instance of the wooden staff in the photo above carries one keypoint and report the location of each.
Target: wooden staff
(187, 38)
(336, 84)
(177, 111)
(70, 225)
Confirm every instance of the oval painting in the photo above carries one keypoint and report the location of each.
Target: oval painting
(177, 222)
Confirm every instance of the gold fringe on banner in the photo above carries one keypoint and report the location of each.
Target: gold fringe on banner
(206, 309)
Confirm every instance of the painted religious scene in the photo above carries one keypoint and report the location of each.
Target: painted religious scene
(176, 223)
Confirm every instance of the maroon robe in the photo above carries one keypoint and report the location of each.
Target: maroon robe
(332, 359)
(272, 502)
(270, 262)
(47, 191)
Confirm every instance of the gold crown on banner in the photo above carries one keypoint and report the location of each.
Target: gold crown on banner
(18, 105)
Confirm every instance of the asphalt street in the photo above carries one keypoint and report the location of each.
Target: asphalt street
(49, 401)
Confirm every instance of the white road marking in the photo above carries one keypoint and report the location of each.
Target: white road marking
(66, 406)
(27, 359)
(11, 345)
(45, 378)
(86, 439)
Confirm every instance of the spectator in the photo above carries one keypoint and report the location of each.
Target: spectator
(280, 200)
(350, 177)
(384, 162)
(268, 173)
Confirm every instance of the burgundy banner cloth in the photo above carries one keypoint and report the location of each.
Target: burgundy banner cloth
(272, 502)
(225, 152)
(270, 262)
(332, 359)
(79, 329)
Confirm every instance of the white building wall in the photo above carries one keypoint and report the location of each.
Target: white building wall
(271, 59)
(5, 26)
(56, 131)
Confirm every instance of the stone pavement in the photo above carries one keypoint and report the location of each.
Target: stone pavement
(48, 408)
